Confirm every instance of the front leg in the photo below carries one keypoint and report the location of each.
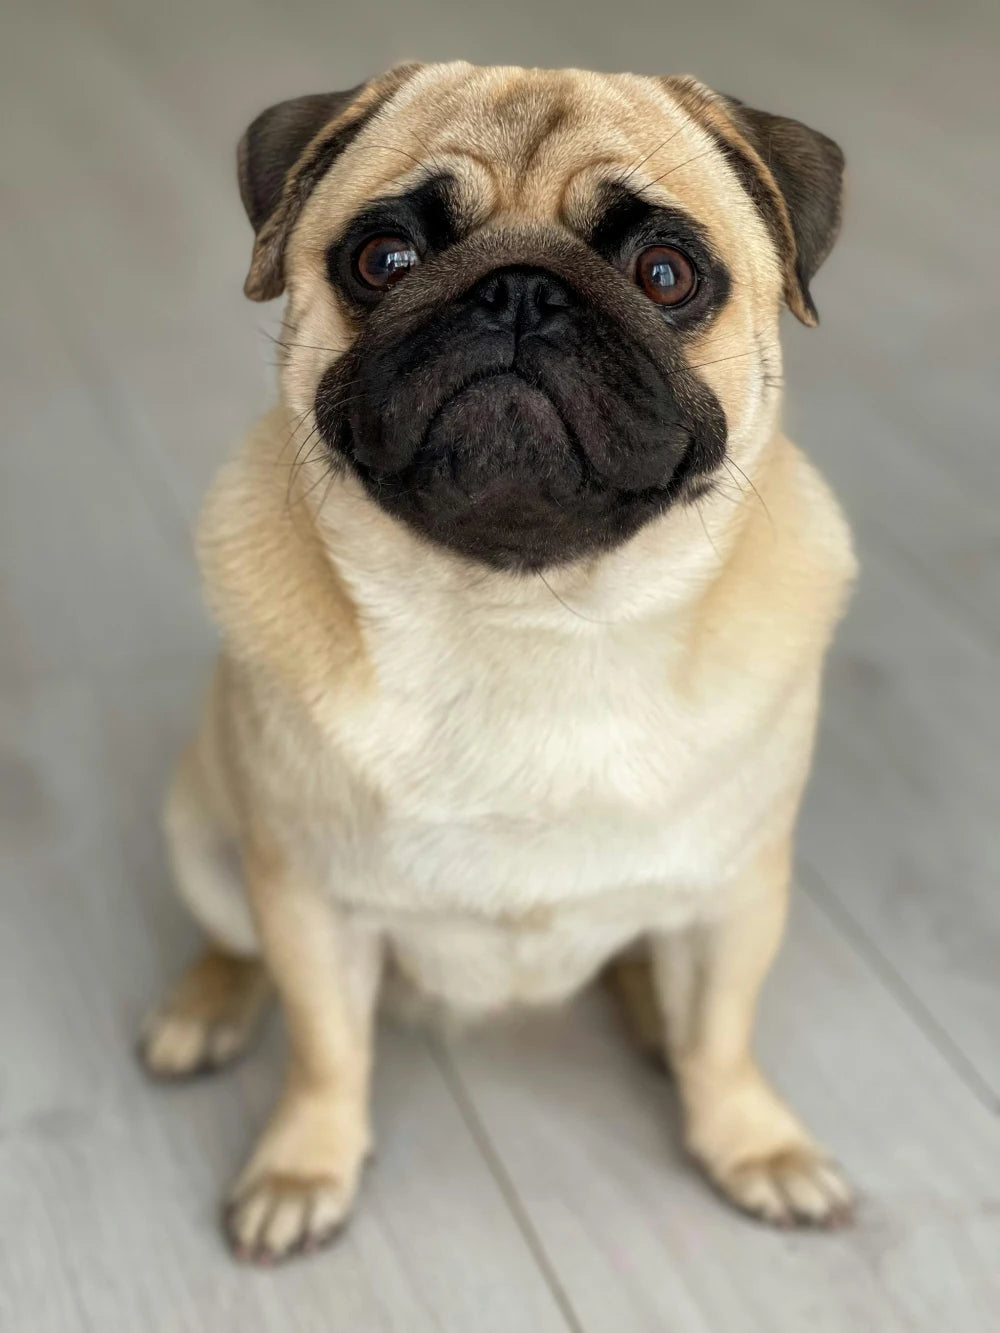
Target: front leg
(300, 1182)
(708, 979)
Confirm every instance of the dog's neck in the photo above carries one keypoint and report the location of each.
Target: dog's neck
(314, 583)
(660, 571)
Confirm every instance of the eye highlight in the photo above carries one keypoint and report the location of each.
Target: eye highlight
(667, 276)
(382, 260)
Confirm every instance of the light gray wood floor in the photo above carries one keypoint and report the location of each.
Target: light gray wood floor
(528, 1181)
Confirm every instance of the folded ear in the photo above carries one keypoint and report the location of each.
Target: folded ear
(283, 155)
(793, 174)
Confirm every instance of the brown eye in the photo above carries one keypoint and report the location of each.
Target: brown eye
(384, 260)
(666, 275)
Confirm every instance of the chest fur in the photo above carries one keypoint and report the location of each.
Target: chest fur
(518, 771)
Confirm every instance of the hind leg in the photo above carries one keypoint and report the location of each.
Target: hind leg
(208, 1018)
(214, 1010)
(629, 978)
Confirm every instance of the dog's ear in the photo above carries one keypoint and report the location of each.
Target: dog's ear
(793, 174)
(285, 152)
(808, 170)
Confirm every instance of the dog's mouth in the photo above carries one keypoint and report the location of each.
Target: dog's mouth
(499, 475)
(506, 403)
(502, 477)
(529, 442)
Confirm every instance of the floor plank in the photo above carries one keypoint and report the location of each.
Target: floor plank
(902, 820)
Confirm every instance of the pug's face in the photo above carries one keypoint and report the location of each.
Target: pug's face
(531, 310)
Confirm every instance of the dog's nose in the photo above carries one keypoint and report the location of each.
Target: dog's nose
(524, 300)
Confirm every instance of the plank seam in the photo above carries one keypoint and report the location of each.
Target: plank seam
(505, 1183)
(854, 933)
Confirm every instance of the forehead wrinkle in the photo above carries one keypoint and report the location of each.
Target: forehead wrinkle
(527, 115)
(507, 116)
(550, 198)
(515, 123)
(563, 211)
(545, 130)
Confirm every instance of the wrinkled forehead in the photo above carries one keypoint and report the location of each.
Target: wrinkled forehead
(529, 124)
(534, 145)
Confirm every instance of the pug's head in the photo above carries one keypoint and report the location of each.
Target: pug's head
(530, 310)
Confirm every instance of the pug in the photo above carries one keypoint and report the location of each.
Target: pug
(524, 599)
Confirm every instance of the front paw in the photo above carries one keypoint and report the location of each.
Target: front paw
(794, 1187)
(759, 1156)
(295, 1194)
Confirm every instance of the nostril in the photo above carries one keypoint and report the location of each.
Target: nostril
(493, 293)
(525, 298)
(552, 296)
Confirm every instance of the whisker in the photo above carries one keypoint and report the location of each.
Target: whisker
(571, 609)
(708, 535)
(685, 163)
(305, 494)
(344, 400)
(719, 489)
(394, 148)
(311, 347)
(298, 459)
(350, 384)
(432, 158)
(326, 493)
(736, 356)
(296, 464)
(643, 160)
(316, 450)
(294, 431)
(729, 465)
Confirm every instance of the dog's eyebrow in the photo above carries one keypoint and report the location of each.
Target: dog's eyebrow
(621, 218)
(429, 211)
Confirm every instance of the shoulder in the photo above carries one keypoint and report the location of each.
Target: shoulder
(811, 548)
(278, 600)
(785, 579)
